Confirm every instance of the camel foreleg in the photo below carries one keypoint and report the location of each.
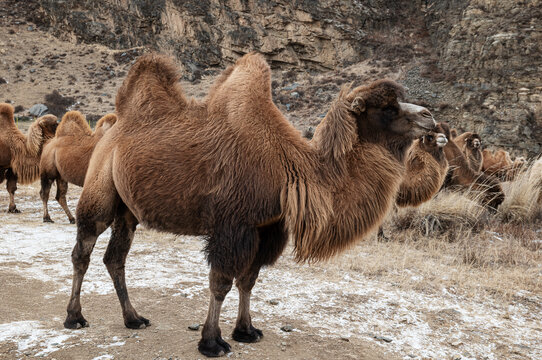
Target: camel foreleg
(211, 343)
(122, 234)
(11, 186)
(244, 331)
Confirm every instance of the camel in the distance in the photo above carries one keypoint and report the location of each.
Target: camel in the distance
(233, 169)
(65, 158)
(499, 163)
(426, 168)
(19, 153)
(470, 144)
(460, 173)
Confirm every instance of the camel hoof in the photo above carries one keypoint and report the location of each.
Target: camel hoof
(138, 323)
(251, 336)
(214, 347)
(72, 221)
(48, 220)
(14, 211)
(77, 323)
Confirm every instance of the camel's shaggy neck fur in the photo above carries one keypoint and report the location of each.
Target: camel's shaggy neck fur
(426, 168)
(25, 150)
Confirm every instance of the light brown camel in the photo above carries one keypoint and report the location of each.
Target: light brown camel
(426, 169)
(460, 174)
(65, 158)
(20, 154)
(233, 169)
(470, 144)
(499, 163)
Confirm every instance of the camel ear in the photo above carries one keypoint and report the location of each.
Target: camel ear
(358, 105)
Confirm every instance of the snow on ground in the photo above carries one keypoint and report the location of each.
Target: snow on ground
(337, 303)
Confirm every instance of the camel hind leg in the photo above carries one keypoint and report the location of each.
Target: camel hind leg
(61, 191)
(11, 186)
(122, 234)
(95, 213)
(44, 194)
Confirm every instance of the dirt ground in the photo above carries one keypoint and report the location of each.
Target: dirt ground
(167, 276)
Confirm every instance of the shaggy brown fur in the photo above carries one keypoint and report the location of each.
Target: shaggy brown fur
(461, 174)
(20, 154)
(500, 164)
(234, 169)
(471, 145)
(66, 157)
(426, 169)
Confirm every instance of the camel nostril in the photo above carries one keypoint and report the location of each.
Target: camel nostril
(426, 113)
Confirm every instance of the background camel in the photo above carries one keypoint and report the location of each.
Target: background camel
(461, 174)
(20, 154)
(426, 168)
(499, 163)
(65, 158)
(233, 169)
(470, 144)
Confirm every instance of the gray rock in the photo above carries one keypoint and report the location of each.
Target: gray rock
(38, 110)
(295, 95)
(274, 302)
(383, 338)
(194, 327)
(287, 328)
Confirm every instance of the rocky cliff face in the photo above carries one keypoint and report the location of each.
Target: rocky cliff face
(476, 63)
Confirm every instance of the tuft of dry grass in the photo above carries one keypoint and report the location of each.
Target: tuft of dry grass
(522, 196)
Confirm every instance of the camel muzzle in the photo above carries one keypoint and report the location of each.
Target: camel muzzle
(476, 143)
(441, 140)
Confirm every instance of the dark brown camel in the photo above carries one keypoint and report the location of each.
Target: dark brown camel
(460, 174)
(233, 169)
(20, 154)
(65, 158)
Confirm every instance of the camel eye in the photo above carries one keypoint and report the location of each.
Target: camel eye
(429, 137)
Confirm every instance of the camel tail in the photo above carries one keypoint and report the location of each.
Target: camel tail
(150, 90)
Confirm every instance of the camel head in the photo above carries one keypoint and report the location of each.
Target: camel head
(473, 141)
(433, 140)
(378, 111)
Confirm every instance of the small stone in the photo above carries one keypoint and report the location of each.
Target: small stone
(194, 327)
(274, 302)
(30, 28)
(288, 106)
(456, 343)
(287, 328)
(383, 338)
(343, 338)
(295, 95)
(32, 70)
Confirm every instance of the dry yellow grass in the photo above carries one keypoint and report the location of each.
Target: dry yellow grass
(452, 242)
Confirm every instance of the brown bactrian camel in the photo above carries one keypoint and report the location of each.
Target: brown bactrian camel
(470, 144)
(65, 158)
(20, 154)
(461, 174)
(426, 168)
(233, 169)
(499, 163)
